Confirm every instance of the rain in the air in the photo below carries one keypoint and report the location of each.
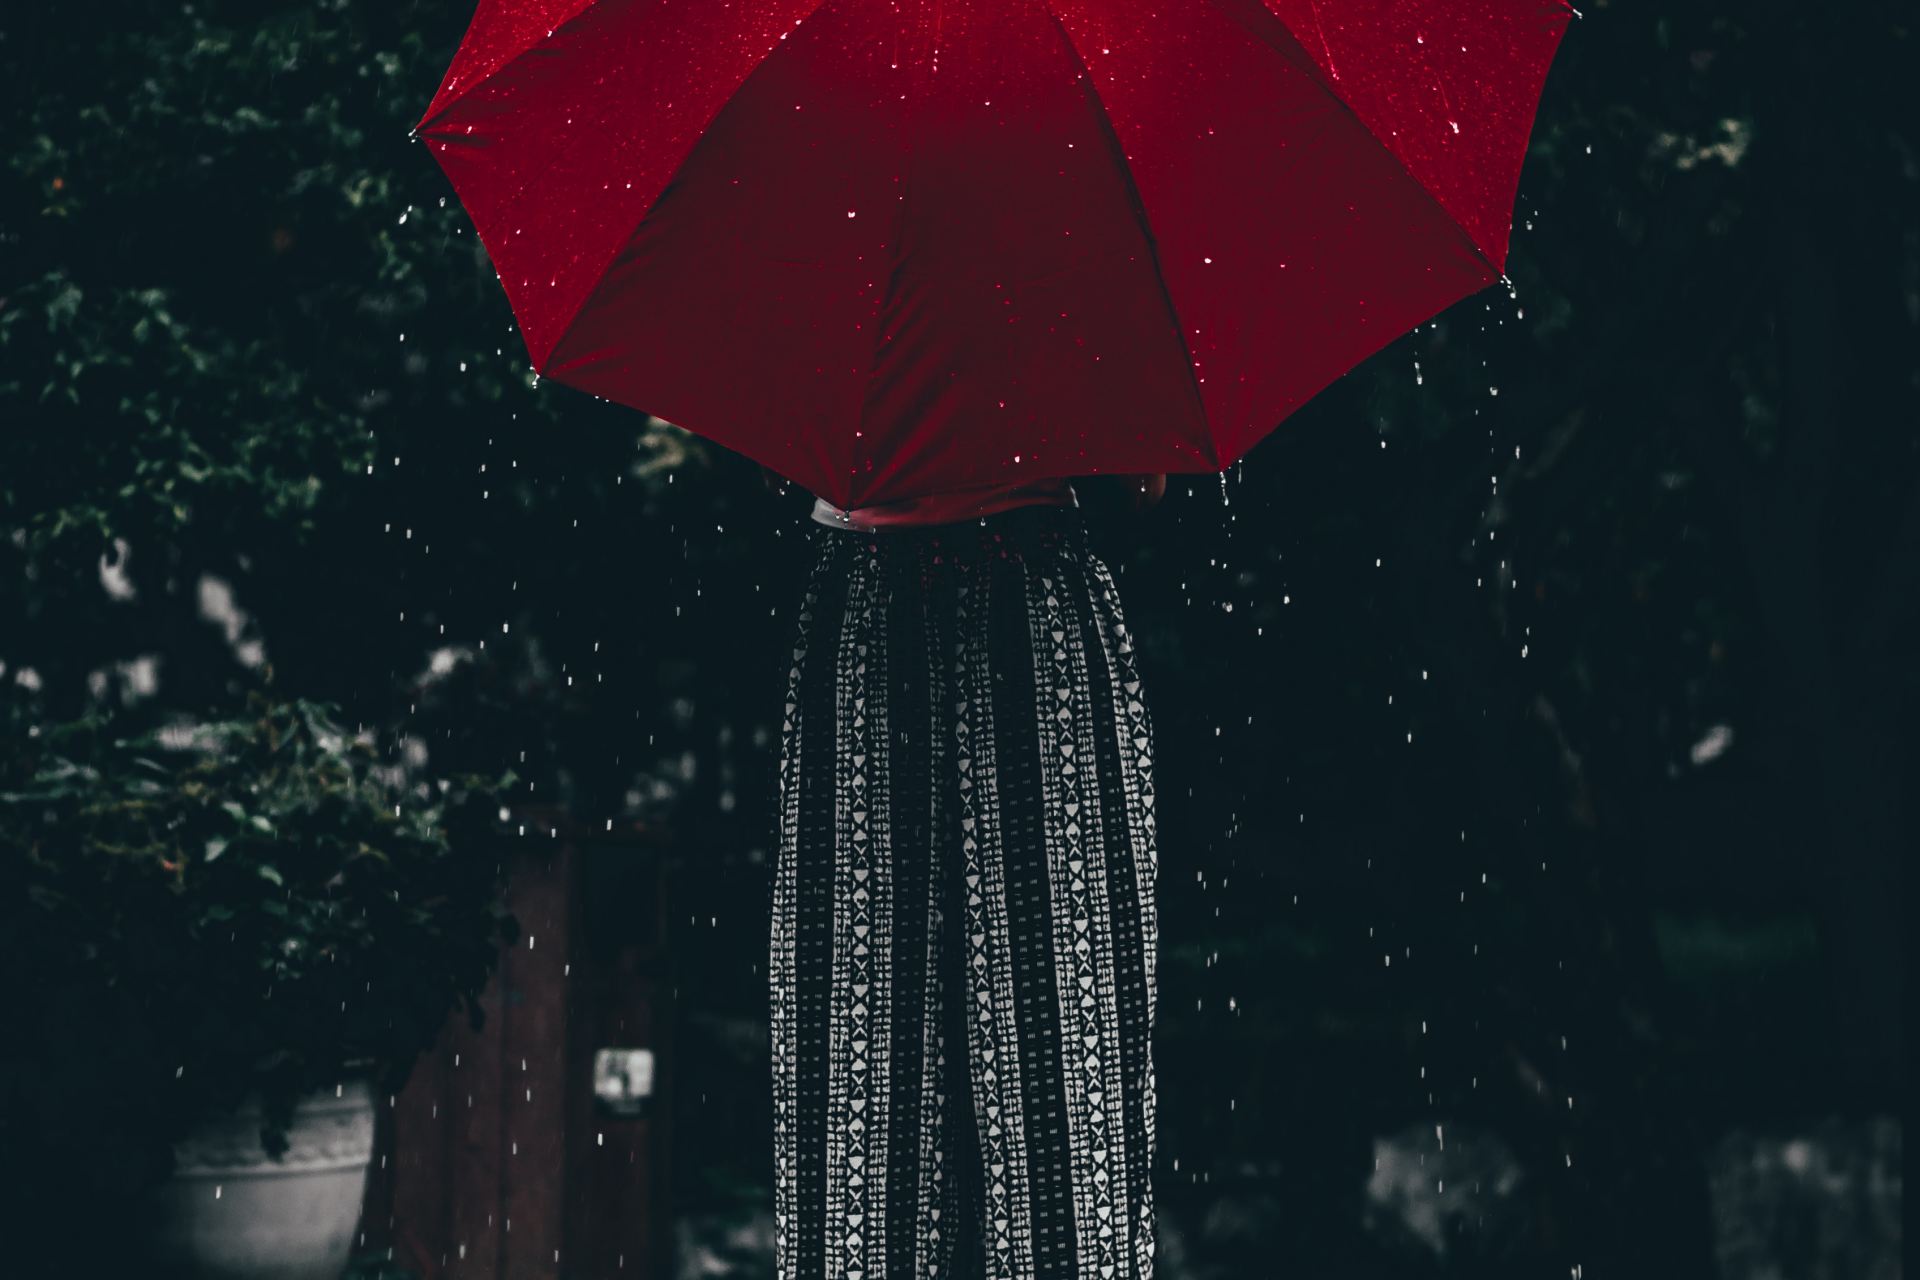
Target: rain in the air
(1030, 640)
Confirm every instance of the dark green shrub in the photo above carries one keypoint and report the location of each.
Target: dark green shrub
(211, 908)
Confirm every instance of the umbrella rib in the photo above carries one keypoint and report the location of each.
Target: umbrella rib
(1291, 50)
(454, 99)
(528, 181)
(1105, 122)
(620, 242)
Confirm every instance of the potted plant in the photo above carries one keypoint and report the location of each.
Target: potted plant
(227, 937)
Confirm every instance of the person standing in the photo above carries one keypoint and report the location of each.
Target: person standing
(964, 935)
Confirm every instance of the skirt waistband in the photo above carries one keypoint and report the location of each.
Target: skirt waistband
(1032, 525)
(1030, 534)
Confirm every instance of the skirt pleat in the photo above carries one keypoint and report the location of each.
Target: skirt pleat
(964, 933)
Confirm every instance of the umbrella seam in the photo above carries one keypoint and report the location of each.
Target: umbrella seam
(544, 363)
(881, 312)
(527, 184)
(1105, 122)
(1302, 61)
(459, 97)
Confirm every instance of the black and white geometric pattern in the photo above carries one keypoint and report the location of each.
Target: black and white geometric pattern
(964, 933)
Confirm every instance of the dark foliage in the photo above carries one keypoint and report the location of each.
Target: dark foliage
(1546, 776)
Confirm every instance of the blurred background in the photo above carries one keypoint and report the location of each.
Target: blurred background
(1534, 710)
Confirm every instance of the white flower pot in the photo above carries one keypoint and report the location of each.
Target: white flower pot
(230, 1211)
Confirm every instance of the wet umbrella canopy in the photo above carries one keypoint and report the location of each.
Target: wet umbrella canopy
(897, 249)
(1536, 764)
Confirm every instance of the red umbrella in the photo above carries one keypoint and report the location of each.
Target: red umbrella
(897, 249)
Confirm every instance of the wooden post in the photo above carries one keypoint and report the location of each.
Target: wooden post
(494, 1163)
(620, 1170)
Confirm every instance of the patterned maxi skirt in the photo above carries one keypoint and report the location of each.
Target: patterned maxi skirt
(964, 930)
